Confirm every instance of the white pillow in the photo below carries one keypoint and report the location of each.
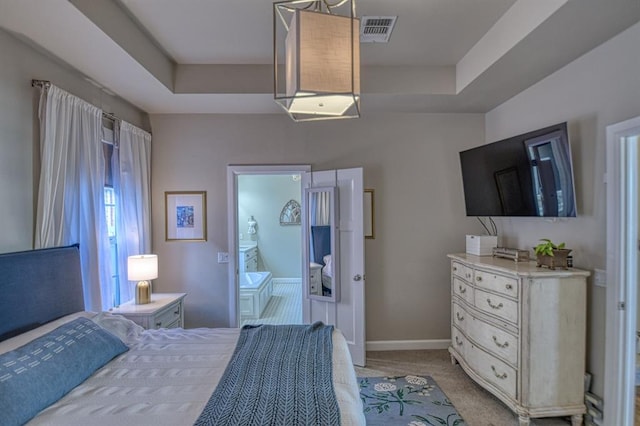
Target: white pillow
(327, 265)
(125, 329)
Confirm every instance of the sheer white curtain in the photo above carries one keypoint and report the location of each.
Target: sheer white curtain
(132, 184)
(71, 192)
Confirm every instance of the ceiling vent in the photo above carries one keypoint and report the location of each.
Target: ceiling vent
(376, 29)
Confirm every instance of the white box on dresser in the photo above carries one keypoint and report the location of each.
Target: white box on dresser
(481, 245)
(520, 332)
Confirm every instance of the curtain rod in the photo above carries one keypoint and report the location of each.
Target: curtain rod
(45, 84)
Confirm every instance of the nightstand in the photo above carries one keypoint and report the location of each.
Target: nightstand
(166, 310)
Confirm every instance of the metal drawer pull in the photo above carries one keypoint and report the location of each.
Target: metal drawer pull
(458, 341)
(462, 289)
(509, 286)
(455, 269)
(158, 324)
(499, 376)
(460, 318)
(478, 278)
(467, 275)
(498, 306)
(176, 312)
(500, 345)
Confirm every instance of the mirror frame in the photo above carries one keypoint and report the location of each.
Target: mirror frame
(335, 255)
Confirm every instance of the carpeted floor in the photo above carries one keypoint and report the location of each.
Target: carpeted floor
(476, 406)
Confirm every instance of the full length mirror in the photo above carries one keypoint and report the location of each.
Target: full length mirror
(323, 278)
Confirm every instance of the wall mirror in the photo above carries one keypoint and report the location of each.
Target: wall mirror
(321, 239)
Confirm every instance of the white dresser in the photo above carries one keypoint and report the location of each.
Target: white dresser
(248, 259)
(520, 332)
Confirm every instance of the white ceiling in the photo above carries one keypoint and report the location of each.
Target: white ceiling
(428, 32)
(213, 56)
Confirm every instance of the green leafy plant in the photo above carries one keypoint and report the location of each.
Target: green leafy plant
(547, 247)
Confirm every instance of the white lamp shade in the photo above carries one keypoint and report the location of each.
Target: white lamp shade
(322, 66)
(142, 267)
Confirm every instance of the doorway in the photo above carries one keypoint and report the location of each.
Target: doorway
(265, 257)
(269, 251)
(623, 185)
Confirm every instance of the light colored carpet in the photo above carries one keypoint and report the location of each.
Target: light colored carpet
(284, 307)
(476, 406)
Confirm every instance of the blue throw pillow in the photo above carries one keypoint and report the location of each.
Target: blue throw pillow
(39, 373)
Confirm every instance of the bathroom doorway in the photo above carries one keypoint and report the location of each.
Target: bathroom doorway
(265, 245)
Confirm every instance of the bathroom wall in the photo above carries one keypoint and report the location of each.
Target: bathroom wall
(279, 247)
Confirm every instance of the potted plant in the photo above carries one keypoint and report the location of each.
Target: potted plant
(551, 255)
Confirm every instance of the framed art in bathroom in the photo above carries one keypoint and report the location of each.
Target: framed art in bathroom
(369, 214)
(185, 215)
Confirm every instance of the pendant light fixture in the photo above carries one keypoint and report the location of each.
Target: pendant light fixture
(316, 59)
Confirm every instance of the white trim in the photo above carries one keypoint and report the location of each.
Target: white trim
(233, 171)
(407, 345)
(621, 274)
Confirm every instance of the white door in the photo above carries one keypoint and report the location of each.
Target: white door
(348, 313)
(623, 149)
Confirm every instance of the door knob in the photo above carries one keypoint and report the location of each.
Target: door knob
(357, 277)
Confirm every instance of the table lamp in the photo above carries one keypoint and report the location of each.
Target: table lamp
(142, 268)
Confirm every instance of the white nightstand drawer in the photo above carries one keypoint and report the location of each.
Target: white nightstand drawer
(164, 311)
(167, 317)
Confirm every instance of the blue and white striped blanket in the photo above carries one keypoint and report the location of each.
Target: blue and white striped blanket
(278, 375)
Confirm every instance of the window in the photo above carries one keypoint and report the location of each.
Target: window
(111, 213)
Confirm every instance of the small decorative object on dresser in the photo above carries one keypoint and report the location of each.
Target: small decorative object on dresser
(520, 332)
(164, 311)
(552, 255)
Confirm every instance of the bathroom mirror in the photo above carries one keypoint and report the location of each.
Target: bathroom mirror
(321, 240)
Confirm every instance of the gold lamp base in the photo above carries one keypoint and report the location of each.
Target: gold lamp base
(143, 292)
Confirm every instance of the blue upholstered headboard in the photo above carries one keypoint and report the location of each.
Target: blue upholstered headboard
(38, 286)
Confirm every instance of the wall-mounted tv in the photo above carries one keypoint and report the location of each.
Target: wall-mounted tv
(526, 175)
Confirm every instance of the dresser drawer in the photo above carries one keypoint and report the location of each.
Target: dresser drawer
(460, 270)
(461, 318)
(167, 318)
(498, 283)
(497, 305)
(463, 290)
(495, 340)
(459, 342)
(492, 369)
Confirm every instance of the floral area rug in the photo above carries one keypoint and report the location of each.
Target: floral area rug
(406, 401)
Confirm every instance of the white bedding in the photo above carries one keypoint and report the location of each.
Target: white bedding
(167, 377)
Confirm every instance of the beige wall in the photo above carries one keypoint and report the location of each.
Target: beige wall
(19, 152)
(411, 160)
(598, 89)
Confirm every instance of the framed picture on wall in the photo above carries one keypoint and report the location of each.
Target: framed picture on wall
(185, 215)
(369, 214)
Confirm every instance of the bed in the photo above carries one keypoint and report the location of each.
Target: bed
(160, 377)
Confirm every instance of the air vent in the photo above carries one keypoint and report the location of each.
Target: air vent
(376, 29)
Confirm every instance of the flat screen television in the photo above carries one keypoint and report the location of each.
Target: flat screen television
(525, 175)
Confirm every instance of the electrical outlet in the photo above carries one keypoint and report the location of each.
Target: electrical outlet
(600, 277)
(223, 257)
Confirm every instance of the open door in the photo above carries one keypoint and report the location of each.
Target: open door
(347, 313)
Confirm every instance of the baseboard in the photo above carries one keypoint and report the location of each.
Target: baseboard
(286, 280)
(407, 345)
